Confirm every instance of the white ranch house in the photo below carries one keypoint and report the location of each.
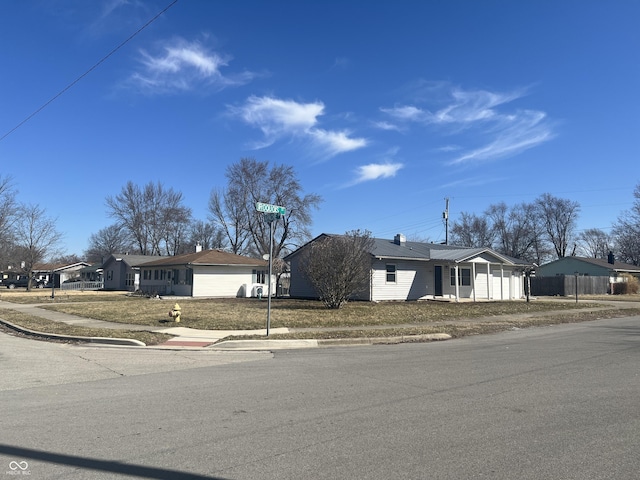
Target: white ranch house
(402, 270)
(205, 273)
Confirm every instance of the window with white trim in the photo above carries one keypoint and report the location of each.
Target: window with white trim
(259, 276)
(464, 277)
(391, 273)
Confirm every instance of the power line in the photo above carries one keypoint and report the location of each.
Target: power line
(52, 99)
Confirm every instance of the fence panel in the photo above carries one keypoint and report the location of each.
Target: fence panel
(82, 286)
(565, 285)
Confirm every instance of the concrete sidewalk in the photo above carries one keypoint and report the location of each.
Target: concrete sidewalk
(184, 337)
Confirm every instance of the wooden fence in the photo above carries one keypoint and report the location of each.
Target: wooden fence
(565, 285)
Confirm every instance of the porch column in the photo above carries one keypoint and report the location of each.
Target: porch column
(473, 280)
(489, 281)
(457, 286)
(501, 282)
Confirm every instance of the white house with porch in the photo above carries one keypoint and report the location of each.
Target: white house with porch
(402, 270)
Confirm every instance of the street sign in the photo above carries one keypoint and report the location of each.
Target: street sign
(267, 208)
(271, 217)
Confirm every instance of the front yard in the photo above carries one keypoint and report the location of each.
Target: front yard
(309, 319)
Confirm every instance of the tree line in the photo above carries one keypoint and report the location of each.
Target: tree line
(154, 220)
(546, 230)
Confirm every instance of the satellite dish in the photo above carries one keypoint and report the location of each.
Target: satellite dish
(265, 256)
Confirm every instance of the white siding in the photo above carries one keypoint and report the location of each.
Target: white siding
(509, 287)
(411, 280)
(480, 283)
(221, 281)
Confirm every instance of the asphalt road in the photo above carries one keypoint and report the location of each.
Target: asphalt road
(557, 403)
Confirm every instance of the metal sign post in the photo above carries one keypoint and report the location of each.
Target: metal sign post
(271, 214)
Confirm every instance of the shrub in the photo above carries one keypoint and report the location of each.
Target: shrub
(629, 285)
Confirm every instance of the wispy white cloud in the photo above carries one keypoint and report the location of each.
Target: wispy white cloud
(278, 118)
(387, 126)
(376, 171)
(335, 142)
(471, 182)
(480, 114)
(517, 133)
(181, 66)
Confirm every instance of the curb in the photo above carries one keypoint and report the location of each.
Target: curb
(55, 336)
(307, 343)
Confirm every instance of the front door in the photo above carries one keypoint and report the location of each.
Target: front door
(437, 281)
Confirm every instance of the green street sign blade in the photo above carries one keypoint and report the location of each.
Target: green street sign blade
(268, 208)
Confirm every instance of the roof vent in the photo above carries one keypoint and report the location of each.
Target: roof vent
(399, 239)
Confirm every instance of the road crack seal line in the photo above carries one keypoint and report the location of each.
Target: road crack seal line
(101, 365)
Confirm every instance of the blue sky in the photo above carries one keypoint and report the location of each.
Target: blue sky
(383, 108)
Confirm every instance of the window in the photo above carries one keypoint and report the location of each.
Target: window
(109, 275)
(464, 277)
(146, 274)
(156, 275)
(189, 278)
(259, 276)
(176, 276)
(391, 273)
(129, 279)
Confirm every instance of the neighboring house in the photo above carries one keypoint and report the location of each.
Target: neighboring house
(205, 273)
(585, 266)
(402, 270)
(58, 271)
(92, 273)
(121, 271)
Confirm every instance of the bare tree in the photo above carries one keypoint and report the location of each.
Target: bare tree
(595, 243)
(472, 231)
(66, 259)
(228, 209)
(514, 229)
(109, 240)
(205, 234)
(36, 237)
(8, 210)
(154, 217)
(234, 209)
(626, 232)
(559, 218)
(338, 267)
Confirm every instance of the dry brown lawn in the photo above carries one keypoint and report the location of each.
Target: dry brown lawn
(310, 319)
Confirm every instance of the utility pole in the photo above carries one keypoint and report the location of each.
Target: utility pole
(445, 216)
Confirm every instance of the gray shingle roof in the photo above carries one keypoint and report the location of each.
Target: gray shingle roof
(388, 249)
(207, 257)
(135, 260)
(616, 266)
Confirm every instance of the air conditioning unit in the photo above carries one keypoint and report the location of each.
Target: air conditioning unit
(258, 290)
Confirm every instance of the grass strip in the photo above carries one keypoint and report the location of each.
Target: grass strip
(459, 329)
(42, 325)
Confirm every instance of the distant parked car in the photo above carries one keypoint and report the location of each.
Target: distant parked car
(21, 282)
